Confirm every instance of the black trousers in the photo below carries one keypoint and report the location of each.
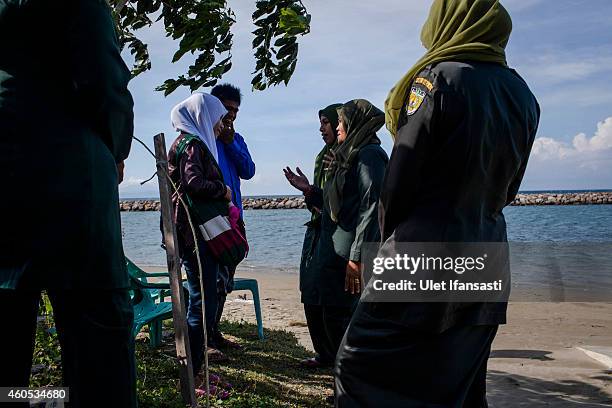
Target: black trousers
(382, 363)
(225, 285)
(95, 332)
(326, 325)
(221, 299)
(210, 271)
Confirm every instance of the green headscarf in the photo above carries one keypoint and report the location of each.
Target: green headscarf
(456, 30)
(331, 113)
(320, 176)
(361, 122)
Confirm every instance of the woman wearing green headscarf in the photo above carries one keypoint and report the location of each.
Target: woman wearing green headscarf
(349, 205)
(328, 118)
(463, 124)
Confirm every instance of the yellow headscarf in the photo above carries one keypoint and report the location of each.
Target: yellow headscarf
(456, 30)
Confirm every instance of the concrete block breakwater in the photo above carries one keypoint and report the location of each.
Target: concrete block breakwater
(277, 203)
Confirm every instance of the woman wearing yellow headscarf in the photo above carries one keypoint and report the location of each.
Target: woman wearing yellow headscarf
(456, 30)
(463, 124)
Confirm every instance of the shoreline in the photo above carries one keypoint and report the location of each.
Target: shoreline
(297, 202)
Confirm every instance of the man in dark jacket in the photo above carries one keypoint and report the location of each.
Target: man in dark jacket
(66, 123)
(463, 134)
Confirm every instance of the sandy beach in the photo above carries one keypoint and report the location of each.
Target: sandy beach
(536, 360)
(541, 358)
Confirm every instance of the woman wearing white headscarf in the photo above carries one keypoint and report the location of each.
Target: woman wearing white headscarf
(192, 162)
(200, 115)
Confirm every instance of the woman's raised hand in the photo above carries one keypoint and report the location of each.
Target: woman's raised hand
(299, 181)
(328, 160)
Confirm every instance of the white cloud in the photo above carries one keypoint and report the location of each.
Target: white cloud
(131, 186)
(579, 96)
(558, 66)
(601, 141)
(546, 148)
(581, 163)
(131, 181)
(553, 70)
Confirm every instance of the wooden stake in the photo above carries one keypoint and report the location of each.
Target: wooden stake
(179, 314)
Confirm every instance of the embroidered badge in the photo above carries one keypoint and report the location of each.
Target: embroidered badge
(425, 83)
(416, 99)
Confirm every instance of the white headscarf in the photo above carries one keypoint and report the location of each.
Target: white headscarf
(197, 115)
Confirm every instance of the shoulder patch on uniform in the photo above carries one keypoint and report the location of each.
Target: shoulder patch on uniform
(425, 82)
(417, 95)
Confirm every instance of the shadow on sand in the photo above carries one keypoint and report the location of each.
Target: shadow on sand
(506, 390)
(541, 355)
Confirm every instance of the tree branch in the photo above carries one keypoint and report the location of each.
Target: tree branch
(203, 30)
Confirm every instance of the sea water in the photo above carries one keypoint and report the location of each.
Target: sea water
(275, 236)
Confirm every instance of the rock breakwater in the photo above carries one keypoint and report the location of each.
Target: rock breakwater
(278, 203)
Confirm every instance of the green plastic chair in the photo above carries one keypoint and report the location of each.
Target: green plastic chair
(158, 289)
(148, 312)
(251, 284)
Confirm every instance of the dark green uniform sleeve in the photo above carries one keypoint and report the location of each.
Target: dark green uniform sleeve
(101, 77)
(370, 173)
(513, 189)
(412, 145)
(313, 198)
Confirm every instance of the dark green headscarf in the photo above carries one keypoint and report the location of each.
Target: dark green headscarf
(331, 113)
(320, 176)
(456, 30)
(361, 122)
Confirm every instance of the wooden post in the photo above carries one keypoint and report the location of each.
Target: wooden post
(179, 315)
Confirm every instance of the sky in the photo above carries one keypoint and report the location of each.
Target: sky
(359, 49)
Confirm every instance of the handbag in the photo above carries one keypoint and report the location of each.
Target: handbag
(217, 220)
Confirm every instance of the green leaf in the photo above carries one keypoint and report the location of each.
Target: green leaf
(286, 51)
(291, 20)
(202, 29)
(257, 79)
(284, 41)
(257, 41)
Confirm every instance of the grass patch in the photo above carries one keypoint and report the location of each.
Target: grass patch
(263, 374)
